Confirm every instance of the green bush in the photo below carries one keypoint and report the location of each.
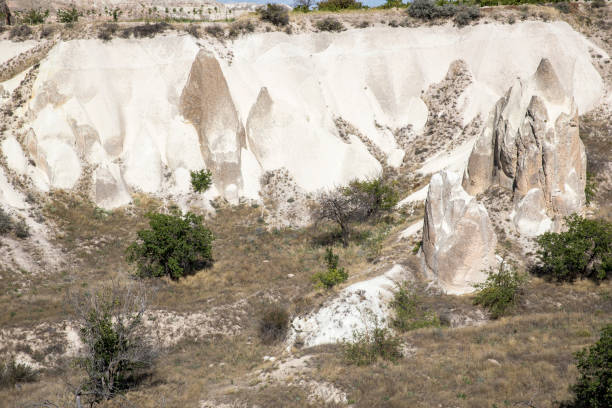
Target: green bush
(594, 386)
(376, 194)
(333, 275)
(501, 290)
(584, 250)
(370, 345)
(241, 27)
(35, 16)
(215, 30)
(6, 222)
(22, 230)
(201, 180)
(273, 324)
(12, 373)
(175, 245)
(423, 9)
(69, 15)
(336, 5)
(409, 313)
(275, 14)
(590, 188)
(329, 24)
(465, 15)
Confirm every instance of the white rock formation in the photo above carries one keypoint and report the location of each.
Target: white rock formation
(143, 113)
(531, 146)
(458, 238)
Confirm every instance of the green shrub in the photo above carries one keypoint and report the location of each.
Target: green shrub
(594, 386)
(275, 14)
(584, 250)
(22, 230)
(408, 310)
(370, 345)
(590, 188)
(336, 5)
(563, 7)
(377, 195)
(108, 31)
(241, 27)
(329, 24)
(69, 15)
(423, 9)
(465, 15)
(393, 4)
(333, 275)
(6, 222)
(501, 290)
(35, 16)
(215, 30)
(115, 352)
(175, 245)
(12, 373)
(145, 30)
(201, 180)
(273, 324)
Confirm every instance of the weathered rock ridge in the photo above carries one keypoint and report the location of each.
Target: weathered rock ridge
(458, 238)
(531, 146)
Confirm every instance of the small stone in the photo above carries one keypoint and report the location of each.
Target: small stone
(290, 275)
(494, 362)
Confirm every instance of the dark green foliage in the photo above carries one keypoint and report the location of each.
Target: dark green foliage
(35, 16)
(215, 30)
(12, 373)
(429, 10)
(590, 188)
(333, 275)
(145, 30)
(108, 31)
(69, 15)
(594, 386)
(377, 195)
(275, 14)
(22, 230)
(115, 353)
(273, 324)
(563, 7)
(6, 222)
(368, 346)
(583, 251)
(393, 4)
(329, 24)
(423, 9)
(241, 27)
(409, 312)
(201, 180)
(465, 15)
(175, 245)
(501, 291)
(336, 5)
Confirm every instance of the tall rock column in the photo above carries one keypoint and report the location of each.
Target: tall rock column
(458, 239)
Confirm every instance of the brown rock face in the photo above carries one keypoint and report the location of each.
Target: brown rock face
(531, 146)
(458, 239)
(207, 103)
(5, 13)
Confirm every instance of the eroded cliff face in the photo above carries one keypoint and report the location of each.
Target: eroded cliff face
(138, 115)
(531, 146)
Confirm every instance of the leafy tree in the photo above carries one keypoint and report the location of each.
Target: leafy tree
(175, 244)
(275, 14)
(594, 386)
(303, 5)
(501, 290)
(201, 180)
(335, 5)
(584, 250)
(376, 194)
(333, 275)
(115, 351)
(6, 222)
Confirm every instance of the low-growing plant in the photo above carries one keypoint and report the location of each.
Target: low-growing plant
(594, 386)
(329, 24)
(466, 15)
(409, 313)
(6, 222)
(583, 251)
(371, 344)
(273, 324)
(193, 30)
(501, 291)
(20, 32)
(241, 27)
(590, 187)
(108, 31)
(201, 180)
(35, 16)
(333, 275)
(215, 30)
(275, 14)
(563, 7)
(175, 245)
(336, 5)
(69, 15)
(146, 30)
(22, 230)
(12, 372)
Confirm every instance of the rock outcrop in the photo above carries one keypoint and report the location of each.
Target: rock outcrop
(5, 13)
(458, 239)
(531, 146)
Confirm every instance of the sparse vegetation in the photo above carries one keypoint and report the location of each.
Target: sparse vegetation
(12, 372)
(377, 195)
(175, 245)
(274, 324)
(501, 291)
(35, 16)
(108, 31)
(329, 24)
(20, 32)
(371, 344)
(590, 188)
(275, 14)
(337, 5)
(215, 30)
(6, 222)
(145, 30)
(201, 180)
(116, 352)
(333, 275)
(594, 386)
(69, 15)
(408, 310)
(22, 230)
(583, 251)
